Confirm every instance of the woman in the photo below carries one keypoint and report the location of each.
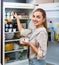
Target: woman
(37, 39)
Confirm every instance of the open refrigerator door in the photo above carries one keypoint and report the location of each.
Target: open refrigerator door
(13, 51)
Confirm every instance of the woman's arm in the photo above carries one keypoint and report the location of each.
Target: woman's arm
(18, 21)
(23, 32)
(19, 24)
(34, 48)
(31, 45)
(42, 45)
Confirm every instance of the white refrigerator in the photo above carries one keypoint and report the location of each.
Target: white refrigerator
(13, 51)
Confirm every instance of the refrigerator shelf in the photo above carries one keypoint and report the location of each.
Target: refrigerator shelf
(12, 40)
(20, 19)
(17, 62)
(12, 32)
(21, 50)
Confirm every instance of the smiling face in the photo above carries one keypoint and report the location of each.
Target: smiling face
(38, 19)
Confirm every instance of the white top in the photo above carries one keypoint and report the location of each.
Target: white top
(39, 39)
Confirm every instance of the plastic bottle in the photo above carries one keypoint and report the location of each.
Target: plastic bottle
(52, 35)
(52, 31)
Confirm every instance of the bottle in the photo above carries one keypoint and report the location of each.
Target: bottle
(50, 25)
(10, 27)
(57, 32)
(14, 28)
(5, 15)
(8, 15)
(52, 31)
(11, 16)
(52, 35)
(6, 27)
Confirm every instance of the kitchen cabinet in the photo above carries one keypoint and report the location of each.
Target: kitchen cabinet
(13, 51)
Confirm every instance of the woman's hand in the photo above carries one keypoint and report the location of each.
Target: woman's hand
(31, 45)
(24, 42)
(15, 15)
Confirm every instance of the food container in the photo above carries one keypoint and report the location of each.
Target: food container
(7, 59)
(24, 39)
(16, 46)
(9, 20)
(25, 47)
(9, 35)
(9, 46)
(14, 29)
(17, 35)
(10, 30)
(23, 55)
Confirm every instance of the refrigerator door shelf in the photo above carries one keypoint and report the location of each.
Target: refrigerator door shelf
(23, 62)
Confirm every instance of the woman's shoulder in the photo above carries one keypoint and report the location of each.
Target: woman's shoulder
(43, 29)
(25, 32)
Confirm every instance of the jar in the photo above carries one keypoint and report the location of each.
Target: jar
(16, 46)
(10, 30)
(14, 29)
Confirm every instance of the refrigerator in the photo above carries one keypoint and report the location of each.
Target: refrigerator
(13, 51)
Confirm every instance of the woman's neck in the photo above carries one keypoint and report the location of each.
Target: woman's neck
(41, 26)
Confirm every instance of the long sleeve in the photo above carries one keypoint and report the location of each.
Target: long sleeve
(42, 45)
(25, 32)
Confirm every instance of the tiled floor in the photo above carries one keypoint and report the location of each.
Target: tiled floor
(53, 53)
